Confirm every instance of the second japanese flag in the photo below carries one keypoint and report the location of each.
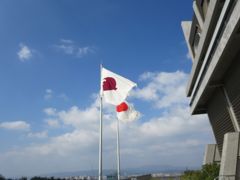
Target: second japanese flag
(126, 112)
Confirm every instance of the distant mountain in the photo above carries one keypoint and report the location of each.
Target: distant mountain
(79, 173)
(153, 169)
(125, 172)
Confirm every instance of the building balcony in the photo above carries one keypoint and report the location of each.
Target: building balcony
(200, 39)
(213, 59)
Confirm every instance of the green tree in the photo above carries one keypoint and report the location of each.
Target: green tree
(191, 175)
(2, 177)
(208, 172)
(23, 178)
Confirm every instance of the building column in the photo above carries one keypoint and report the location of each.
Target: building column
(229, 159)
(186, 27)
(211, 154)
(198, 14)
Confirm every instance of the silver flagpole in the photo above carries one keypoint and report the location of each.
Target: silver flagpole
(100, 130)
(118, 151)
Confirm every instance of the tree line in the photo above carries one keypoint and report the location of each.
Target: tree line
(33, 178)
(208, 172)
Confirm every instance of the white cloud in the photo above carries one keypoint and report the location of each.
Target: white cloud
(25, 53)
(67, 41)
(50, 111)
(52, 123)
(66, 143)
(43, 134)
(15, 125)
(75, 117)
(48, 94)
(147, 93)
(147, 75)
(175, 122)
(172, 135)
(64, 97)
(164, 89)
(69, 47)
(82, 51)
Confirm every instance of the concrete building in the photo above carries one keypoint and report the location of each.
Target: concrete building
(213, 40)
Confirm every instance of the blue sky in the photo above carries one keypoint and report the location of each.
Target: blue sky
(50, 53)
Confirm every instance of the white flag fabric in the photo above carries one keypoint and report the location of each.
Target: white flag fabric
(114, 88)
(126, 112)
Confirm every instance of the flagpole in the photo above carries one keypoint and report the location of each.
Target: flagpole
(118, 151)
(100, 130)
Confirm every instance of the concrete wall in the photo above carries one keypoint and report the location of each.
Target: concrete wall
(225, 48)
(211, 154)
(232, 85)
(216, 68)
(219, 117)
(230, 153)
(210, 22)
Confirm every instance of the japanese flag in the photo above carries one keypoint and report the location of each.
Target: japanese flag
(114, 88)
(126, 112)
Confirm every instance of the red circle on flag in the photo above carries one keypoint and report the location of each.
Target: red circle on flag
(109, 84)
(122, 107)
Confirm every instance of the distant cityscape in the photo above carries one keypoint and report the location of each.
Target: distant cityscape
(153, 176)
